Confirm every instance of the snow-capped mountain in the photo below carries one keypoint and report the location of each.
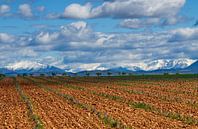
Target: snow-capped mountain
(25, 65)
(144, 67)
(149, 66)
(33, 67)
(168, 64)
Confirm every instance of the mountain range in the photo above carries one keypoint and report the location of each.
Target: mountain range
(154, 67)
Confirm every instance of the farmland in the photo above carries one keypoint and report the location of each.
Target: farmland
(128, 102)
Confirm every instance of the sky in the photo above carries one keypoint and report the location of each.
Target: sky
(91, 34)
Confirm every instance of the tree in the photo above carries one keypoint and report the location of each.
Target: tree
(53, 74)
(166, 74)
(109, 73)
(42, 74)
(98, 74)
(65, 74)
(123, 73)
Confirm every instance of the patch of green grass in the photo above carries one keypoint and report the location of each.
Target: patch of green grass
(141, 105)
(176, 116)
(112, 97)
(74, 87)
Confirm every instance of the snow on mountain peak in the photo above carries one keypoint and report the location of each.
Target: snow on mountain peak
(25, 65)
(146, 66)
(169, 64)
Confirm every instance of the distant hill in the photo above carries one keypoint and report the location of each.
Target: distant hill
(6, 71)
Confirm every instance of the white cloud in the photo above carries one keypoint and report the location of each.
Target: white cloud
(80, 46)
(78, 11)
(126, 9)
(46, 37)
(184, 34)
(77, 31)
(25, 10)
(140, 23)
(6, 38)
(4, 9)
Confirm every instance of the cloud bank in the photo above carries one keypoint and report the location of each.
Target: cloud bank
(77, 44)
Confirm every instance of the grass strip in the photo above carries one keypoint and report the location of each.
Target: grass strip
(147, 107)
(26, 99)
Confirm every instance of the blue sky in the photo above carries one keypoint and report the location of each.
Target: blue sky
(89, 34)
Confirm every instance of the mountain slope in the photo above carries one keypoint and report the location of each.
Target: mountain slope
(192, 68)
(6, 71)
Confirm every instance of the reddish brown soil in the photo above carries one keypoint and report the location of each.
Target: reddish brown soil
(58, 113)
(133, 117)
(13, 111)
(179, 95)
(154, 99)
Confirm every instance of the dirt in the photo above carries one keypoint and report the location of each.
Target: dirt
(13, 111)
(132, 117)
(57, 113)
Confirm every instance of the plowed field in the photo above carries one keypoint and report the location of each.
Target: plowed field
(98, 102)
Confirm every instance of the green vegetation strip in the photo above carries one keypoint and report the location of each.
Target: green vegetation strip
(141, 105)
(108, 120)
(164, 98)
(25, 98)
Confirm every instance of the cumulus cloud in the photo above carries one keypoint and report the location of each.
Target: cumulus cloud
(77, 44)
(25, 10)
(126, 9)
(46, 37)
(77, 31)
(78, 11)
